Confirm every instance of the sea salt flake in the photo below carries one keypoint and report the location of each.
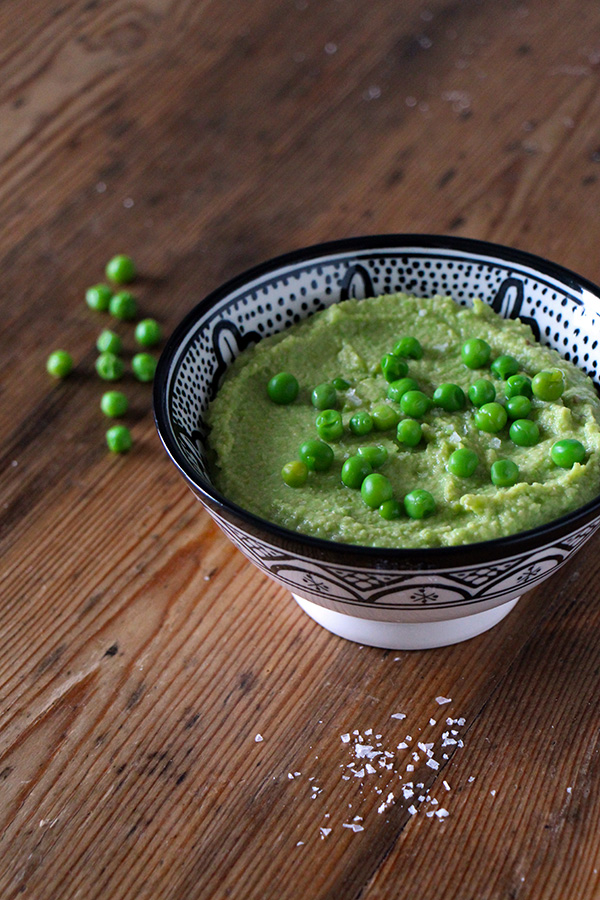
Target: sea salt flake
(370, 769)
(432, 722)
(345, 738)
(258, 738)
(410, 767)
(412, 810)
(442, 700)
(398, 716)
(366, 750)
(446, 785)
(442, 813)
(353, 826)
(360, 773)
(324, 832)
(471, 778)
(402, 746)
(433, 764)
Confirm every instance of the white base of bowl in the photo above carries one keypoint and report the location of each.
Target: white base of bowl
(401, 635)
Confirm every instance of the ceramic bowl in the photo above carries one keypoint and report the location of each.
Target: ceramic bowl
(393, 598)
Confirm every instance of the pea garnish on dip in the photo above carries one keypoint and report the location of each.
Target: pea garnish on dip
(475, 430)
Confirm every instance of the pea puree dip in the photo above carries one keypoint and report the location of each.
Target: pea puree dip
(459, 498)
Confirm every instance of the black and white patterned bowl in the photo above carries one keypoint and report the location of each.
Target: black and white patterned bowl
(398, 598)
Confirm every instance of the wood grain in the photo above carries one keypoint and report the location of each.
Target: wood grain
(141, 653)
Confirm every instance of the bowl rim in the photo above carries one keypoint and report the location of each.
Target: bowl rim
(509, 545)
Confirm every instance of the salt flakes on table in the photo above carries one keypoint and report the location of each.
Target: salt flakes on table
(371, 760)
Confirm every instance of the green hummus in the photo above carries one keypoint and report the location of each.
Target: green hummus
(251, 437)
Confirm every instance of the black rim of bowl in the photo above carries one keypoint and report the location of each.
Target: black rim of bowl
(511, 545)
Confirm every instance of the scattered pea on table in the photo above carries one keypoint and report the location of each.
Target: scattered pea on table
(110, 367)
(98, 297)
(143, 366)
(119, 439)
(121, 269)
(59, 364)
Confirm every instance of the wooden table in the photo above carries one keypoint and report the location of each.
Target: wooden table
(142, 656)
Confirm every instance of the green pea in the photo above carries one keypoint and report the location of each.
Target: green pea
(409, 432)
(415, 404)
(463, 462)
(283, 388)
(361, 423)
(148, 333)
(340, 384)
(114, 404)
(518, 386)
(384, 417)
(121, 268)
(316, 454)
(491, 417)
(518, 407)
(408, 347)
(59, 364)
(391, 509)
(548, 385)
(475, 353)
(143, 366)
(355, 470)
(375, 454)
(119, 439)
(482, 391)
(324, 396)
(393, 367)
(376, 489)
(109, 342)
(400, 387)
(524, 433)
(110, 367)
(295, 473)
(329, 425)
(504, 473)
(419, 504)
(123, 306)
(98, 297)
(449, 397)
(566, 452)
(505, 366)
